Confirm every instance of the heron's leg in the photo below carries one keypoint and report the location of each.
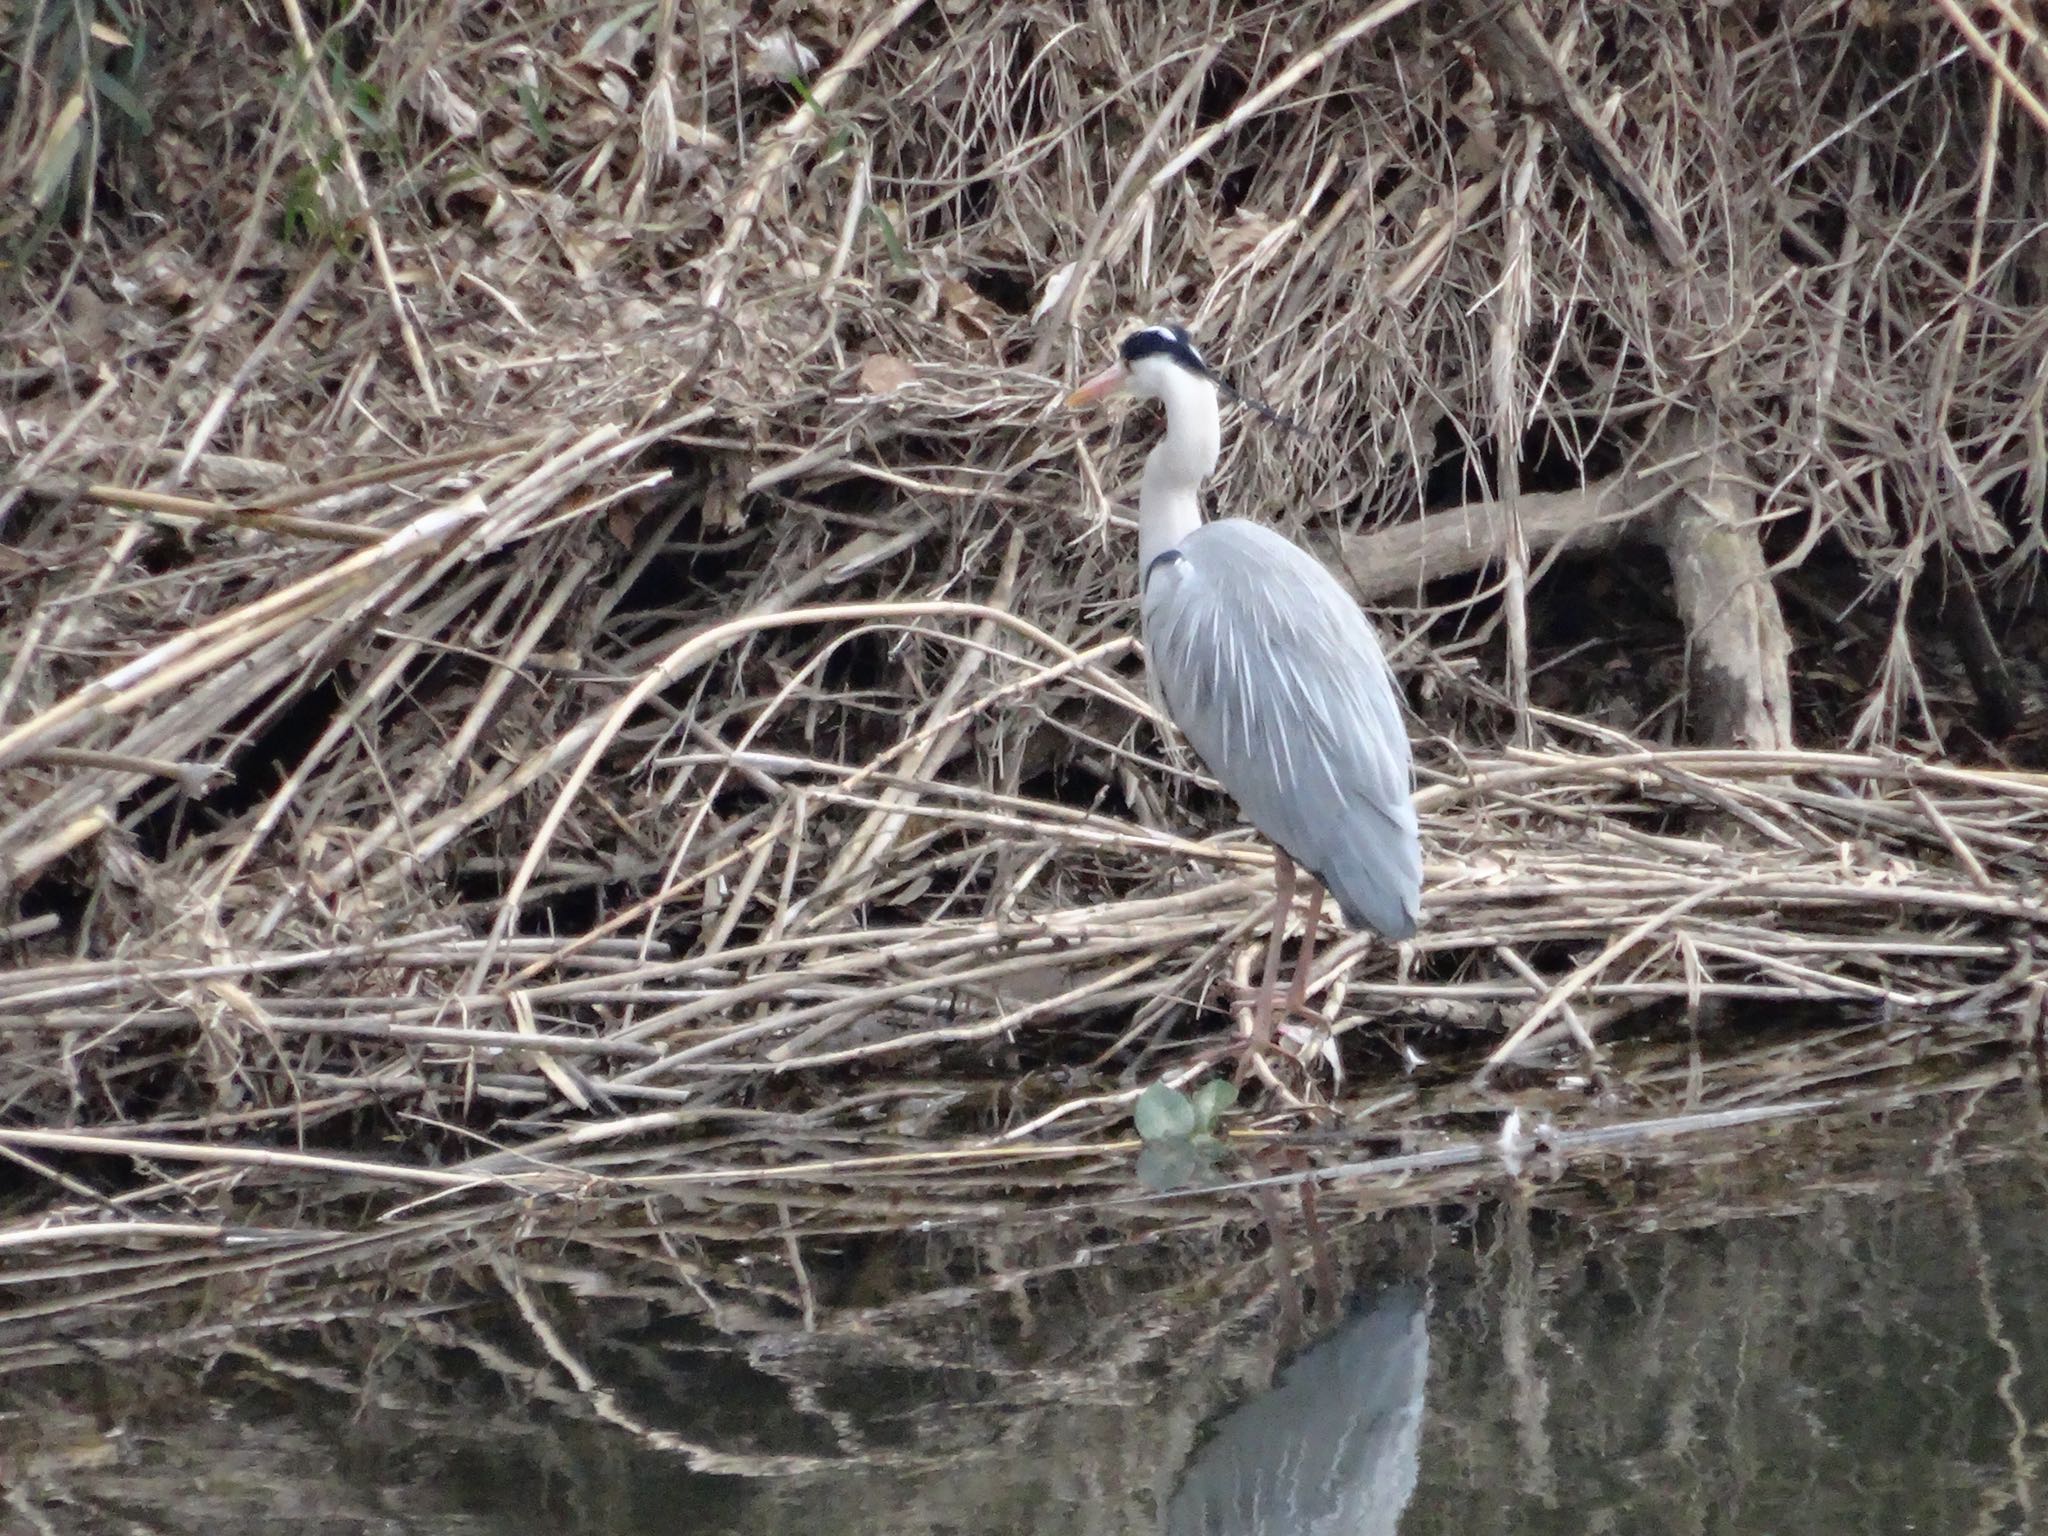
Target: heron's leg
(1262, 1007)
(1296, 1004)
(1304, 963)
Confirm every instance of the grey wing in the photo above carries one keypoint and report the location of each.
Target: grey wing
(1277, 680)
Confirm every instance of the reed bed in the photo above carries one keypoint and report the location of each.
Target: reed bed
(548, 606)
(826, 1237)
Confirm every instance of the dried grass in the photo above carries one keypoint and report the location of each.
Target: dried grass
(647, 713)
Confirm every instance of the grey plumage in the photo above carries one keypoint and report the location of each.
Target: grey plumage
(1277, 680)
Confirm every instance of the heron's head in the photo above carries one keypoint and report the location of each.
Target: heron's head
(1151, 364)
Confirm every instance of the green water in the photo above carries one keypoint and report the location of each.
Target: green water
(1861, 1352)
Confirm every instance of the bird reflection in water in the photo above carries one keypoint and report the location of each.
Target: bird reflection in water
(1331, 1449)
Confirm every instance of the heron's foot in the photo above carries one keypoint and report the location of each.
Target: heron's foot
(1285, 1005)
(1287, 1068)
(1286, 1036)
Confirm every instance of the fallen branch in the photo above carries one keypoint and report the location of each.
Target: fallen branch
(1401, 560)
(1692, 505)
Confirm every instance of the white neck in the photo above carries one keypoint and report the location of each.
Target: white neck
(1169, 508)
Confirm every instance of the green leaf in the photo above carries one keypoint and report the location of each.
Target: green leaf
(535, 108)
(837, 145)
(899, 253)
(366, 101)
(53, 18)
(129, 104)
(1211, 1099)
(1178, 1164)
(1164, 1114)
(302, 216)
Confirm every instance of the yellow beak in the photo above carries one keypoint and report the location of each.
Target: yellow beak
(1101, 387)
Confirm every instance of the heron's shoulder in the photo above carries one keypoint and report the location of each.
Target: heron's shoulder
(1238, 536)
(1245, 558)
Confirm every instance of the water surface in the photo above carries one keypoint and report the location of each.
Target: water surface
(1785, 1344)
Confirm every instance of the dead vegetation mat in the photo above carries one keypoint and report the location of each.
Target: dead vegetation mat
(546, 595)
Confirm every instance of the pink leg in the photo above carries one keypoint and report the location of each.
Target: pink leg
(1262, 1008)
(1304, 963)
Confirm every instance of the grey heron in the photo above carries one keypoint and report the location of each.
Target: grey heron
(1271, 671)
